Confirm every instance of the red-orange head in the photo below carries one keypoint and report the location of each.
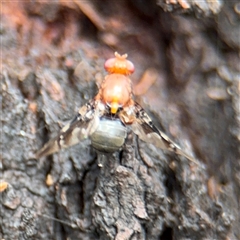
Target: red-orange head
(119, 65)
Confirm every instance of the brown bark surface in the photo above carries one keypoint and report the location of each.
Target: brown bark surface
(186, 78)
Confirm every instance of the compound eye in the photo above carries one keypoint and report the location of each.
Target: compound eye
(119, 65)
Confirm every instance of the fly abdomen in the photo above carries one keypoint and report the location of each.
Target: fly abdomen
(109, 136)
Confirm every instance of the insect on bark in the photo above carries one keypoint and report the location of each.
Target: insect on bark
(106, 118)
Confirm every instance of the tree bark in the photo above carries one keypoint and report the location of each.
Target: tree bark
(52, 57)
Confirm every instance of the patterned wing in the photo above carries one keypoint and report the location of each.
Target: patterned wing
(141, 124)
(83, 125)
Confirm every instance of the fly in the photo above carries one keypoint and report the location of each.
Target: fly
(106, 118)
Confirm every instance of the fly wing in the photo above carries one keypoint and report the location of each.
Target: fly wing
(143, 127)
(83, 125)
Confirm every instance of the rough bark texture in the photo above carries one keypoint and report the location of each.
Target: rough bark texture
(52, 56)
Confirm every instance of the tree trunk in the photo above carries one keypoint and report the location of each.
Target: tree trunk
(52, 62)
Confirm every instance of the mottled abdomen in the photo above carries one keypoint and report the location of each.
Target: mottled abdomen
(109, 136)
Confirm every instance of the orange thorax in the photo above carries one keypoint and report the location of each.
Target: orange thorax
(116, 91)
